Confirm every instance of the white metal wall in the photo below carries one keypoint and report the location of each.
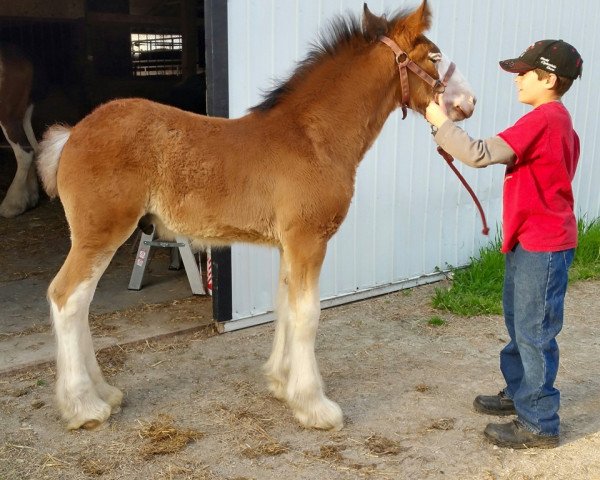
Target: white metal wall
(410, 216)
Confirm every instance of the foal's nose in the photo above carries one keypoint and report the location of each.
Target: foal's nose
(465, 106)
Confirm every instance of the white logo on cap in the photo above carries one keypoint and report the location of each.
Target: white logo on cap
(546, 63)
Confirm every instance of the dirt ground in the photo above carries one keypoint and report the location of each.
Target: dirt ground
(197, 407)
(406, 389)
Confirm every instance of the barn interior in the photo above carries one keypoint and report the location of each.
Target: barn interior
(85, 53)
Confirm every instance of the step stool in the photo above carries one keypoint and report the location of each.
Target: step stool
(180, 251)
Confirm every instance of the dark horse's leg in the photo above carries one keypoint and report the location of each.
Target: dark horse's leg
(23, 192)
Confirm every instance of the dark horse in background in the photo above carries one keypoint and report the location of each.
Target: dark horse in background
(282, 175)
(16, 108)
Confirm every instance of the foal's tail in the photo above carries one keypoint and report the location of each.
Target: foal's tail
(48, 156)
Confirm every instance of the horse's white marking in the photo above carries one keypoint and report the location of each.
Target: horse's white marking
(81, 391)
(292, 367)
(23, 191)
(459, 97)
(305, 386)
(29, 129)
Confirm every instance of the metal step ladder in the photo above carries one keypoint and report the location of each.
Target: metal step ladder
(180, 251)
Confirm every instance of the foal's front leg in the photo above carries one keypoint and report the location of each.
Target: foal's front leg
(278, 366)
(304, 391)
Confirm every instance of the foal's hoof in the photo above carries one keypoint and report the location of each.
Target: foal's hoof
(276, 380)
(111, 395)
(94, 425)
(93, 418)
(277, 389)
(325, 415)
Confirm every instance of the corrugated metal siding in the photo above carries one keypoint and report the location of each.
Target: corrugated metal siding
(410, 215)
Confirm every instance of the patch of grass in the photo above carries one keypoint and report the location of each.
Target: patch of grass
(586, 265)
(477, 289)
(436, 322)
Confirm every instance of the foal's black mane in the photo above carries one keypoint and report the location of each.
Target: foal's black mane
(342, 31)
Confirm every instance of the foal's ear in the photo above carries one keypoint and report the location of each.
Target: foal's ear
(417, 22)
(372, 25)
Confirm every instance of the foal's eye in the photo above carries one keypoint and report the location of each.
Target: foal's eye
(435, 57)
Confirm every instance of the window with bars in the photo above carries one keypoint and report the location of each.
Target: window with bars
(154, 54)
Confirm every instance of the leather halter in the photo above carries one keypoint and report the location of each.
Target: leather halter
(404, 62)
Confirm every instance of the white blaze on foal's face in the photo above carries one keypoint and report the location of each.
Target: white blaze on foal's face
(459, 98)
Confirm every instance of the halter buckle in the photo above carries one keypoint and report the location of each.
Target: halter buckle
(402, 59)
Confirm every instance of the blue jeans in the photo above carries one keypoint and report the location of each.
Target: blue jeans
(535, 284)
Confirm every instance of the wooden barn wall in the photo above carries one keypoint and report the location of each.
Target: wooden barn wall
(410, 217)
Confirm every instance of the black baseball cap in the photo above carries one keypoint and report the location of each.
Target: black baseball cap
(554, 56)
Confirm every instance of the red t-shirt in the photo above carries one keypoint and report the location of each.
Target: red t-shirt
(538, 197)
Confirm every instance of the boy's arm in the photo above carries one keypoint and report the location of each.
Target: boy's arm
(475, 153)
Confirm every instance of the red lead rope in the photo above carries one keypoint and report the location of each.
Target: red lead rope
(449, 161)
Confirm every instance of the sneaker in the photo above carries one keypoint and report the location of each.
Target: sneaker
(514, 435)
(494, 404)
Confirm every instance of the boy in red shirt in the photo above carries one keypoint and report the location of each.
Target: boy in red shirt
(540, 152)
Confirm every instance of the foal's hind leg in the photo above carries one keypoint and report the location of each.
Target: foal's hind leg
(304, 391)
(278, 365)
(84, 397)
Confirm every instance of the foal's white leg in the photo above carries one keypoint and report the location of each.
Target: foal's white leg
(304, 390)
(111, 395)
(278, 365)
(83, 396)
(305, 387)
(77, 397)
(22, 192)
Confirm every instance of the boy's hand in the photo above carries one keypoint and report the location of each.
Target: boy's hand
(435, 114)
